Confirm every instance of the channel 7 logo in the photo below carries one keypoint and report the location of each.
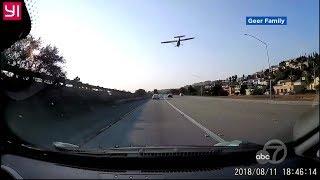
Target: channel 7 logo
(11, 11)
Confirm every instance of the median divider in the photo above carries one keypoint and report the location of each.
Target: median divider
(131, 109)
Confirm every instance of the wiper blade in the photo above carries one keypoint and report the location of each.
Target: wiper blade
(154, 150)
(65, 146)
(73, 147)
(229, 143)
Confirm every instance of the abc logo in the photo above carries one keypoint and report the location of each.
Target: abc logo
(262, 156)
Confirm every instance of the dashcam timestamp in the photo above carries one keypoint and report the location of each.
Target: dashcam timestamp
(300, 171)
(275, 171)
(255, 171)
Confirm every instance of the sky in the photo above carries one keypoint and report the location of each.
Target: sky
(116, 43)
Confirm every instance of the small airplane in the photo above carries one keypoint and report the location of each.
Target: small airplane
(178, 41)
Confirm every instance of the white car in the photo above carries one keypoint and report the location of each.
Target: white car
(156, 96)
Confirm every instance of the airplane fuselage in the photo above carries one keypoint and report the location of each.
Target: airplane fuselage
(178, 43)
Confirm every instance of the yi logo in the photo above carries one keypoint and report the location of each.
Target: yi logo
(11, 11)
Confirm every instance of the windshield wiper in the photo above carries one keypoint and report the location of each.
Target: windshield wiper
(65, 146)
(158, 150)
(74, 147)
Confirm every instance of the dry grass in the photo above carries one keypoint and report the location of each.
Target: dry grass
(296, 97)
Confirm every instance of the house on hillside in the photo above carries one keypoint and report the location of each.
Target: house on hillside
(274, 68)
(263, 83)
(288, 87)
(292, 64)
(287, 63)
(297, 65)
(234, 90)
(255, 81)
(225, 87)
(250, 81)
(231, 90)
(249, 91)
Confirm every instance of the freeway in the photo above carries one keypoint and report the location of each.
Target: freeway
(187, 120)
(190, 120)
(154, 123)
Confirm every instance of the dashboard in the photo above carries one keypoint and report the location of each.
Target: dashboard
(18, 167)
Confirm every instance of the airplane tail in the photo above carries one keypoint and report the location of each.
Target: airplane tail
(179, 36)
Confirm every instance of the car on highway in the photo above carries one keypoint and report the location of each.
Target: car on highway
(156, 96)
(181, 94)
(170, 96)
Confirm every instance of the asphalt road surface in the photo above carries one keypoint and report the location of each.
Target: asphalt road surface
(202, 121)
(154, 123)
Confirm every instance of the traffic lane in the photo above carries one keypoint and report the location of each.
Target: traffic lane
(155, 123)
(254, 121)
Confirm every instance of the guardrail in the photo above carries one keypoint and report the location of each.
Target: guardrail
(7, 71)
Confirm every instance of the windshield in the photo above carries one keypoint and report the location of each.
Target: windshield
(114, 74)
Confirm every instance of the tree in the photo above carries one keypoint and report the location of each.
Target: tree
(21, 53)
(50, 62)
(282, 64)
(234, 78)
(76, 82)
(30, 54)
(280, 75)
(76, 79)
(174, 91)
(183, 90)
(243, 88)
(192, 90)
(258, 91)
(301, 59)
(307, 76)
(140, 92)
(217, 90)
(155, 91)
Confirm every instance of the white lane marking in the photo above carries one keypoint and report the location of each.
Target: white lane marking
(207, 131)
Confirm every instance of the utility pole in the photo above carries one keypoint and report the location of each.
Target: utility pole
(270, 70)
(201, 91)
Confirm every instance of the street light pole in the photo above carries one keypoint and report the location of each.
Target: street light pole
(270, 70)
(201, 89)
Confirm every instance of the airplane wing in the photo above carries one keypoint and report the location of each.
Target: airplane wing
(169, 41)
(186, 39)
